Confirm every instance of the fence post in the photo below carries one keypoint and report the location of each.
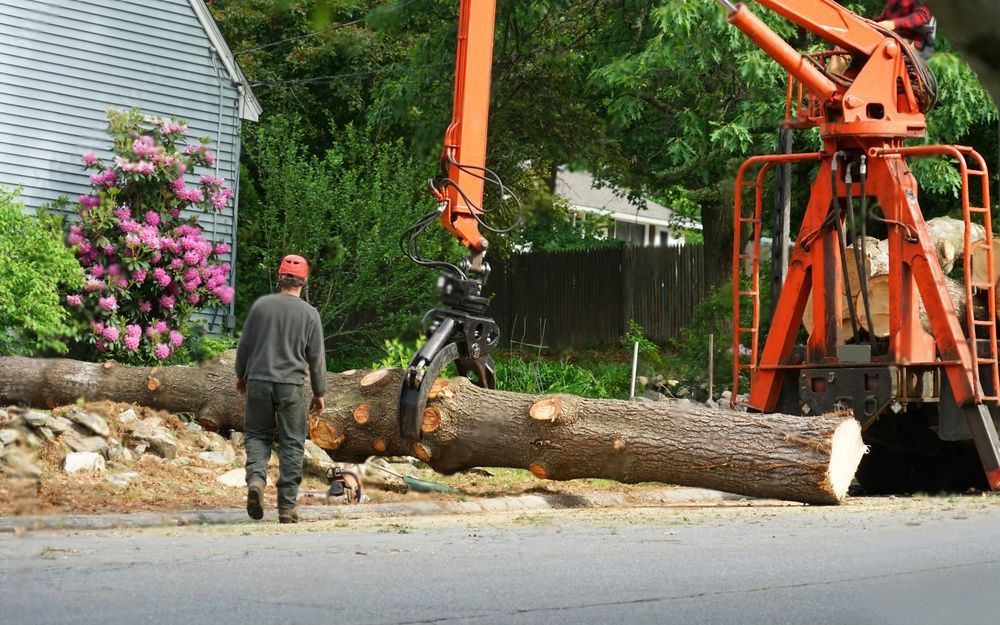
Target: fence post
(628, 286)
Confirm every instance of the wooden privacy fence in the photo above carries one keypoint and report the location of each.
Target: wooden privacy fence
(586, 298)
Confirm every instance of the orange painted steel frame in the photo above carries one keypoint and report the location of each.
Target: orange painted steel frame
(868, 116)
(464, 154)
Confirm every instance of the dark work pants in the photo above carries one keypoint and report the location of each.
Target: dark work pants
(276, 411)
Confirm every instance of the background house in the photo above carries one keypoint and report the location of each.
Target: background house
(63, 63)
(654, 225)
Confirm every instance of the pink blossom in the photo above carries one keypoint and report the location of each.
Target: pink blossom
(97, 327)
(105, 178)
(221, 248)
(139, 275)
(133, 329)
(160, 277)
(74, 300)
(75, 235)
(123, 213)
(109, 250)
(145, 167)
(89, 159)
(162, 351)
(93, 285)
(209, 157)
(159, 327)
(193, 149)
(194, 298)
(88, 201)
(85, 248)
(121, 282)
(167, 301)
(177, 184)
(132, 240)
(152, 218)
(97, 271)
(176, 338)
(156, 257)
(225, 295)
(131, 342)
(100, 346)
(128, 226)
(191, 257)
(175, 213)
(111, 333)
(181, 167)
(144, 146)
(109, 303)
(176, 264)
(145, 306)
(114, 269)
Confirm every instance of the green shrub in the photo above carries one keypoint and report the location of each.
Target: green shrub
(344, 211)
(650, 357)
(539, 376)
(36, 268)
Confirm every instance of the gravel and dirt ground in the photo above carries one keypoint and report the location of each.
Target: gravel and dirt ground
(179, 468)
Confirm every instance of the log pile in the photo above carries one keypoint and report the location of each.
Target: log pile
(948, 237)
(561, 437)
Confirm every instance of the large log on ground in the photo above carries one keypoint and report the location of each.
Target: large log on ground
(808, 459)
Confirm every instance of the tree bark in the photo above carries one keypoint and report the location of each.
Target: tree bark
(561, 437)
(880, 301)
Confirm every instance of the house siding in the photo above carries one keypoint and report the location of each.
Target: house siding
(64, 63)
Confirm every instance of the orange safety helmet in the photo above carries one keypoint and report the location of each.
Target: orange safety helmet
(294, 265)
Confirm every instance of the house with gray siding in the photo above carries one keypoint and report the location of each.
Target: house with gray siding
(64, 63)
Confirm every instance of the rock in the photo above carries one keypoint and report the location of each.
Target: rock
(128, 418)
(9, 436)
(45, 433)
(726, 396)
(29, 439)
(145, 429)
(238, 439)
(120, 453)
(641, 381)
(711, 403)
(235, 478)
(181, 461)
(84, 461)
(140, 448)
(213, 441)
(121, 480)
(58, 424)
(89, 420)
(315, 461)
(216, 457)
(193, 427)
(163, 444)
(35, 418)
(16, 463)
(654, 395)
(673, 382)
(96, 444)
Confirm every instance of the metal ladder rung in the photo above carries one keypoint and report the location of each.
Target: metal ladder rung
(750, 330)
(979, 209)
(975, 172)
(981, 285)
(749, 220)
(749, 293)
(985, 361)
(982, 322)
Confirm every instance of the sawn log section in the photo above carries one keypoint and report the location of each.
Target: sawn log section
(808, 459)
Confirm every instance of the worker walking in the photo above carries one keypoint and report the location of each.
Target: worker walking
(282, 338)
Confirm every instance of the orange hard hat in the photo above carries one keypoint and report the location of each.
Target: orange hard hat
(294, 265)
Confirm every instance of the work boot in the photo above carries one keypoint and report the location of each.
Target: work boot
(288, 515)
(255, 499)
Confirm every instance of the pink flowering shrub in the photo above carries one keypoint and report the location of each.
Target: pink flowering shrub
(147, 267)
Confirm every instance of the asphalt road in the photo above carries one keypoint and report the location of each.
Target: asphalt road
(888, 561)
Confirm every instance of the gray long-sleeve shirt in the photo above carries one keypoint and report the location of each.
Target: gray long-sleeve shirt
(282, 336)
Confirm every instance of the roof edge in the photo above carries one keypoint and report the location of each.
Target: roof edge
(250, 108)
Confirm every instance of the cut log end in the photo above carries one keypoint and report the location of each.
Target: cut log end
(441, 390)
(421, 452)
(379, 445)
(432, 420)
(361, 414)
(547, 409)
(846, 450)
(538, 470)
(374, 378)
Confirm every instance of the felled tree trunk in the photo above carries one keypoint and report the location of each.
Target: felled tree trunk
(880, 301)
(809, 459)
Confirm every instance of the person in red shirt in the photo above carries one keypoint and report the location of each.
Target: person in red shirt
(911, 20)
